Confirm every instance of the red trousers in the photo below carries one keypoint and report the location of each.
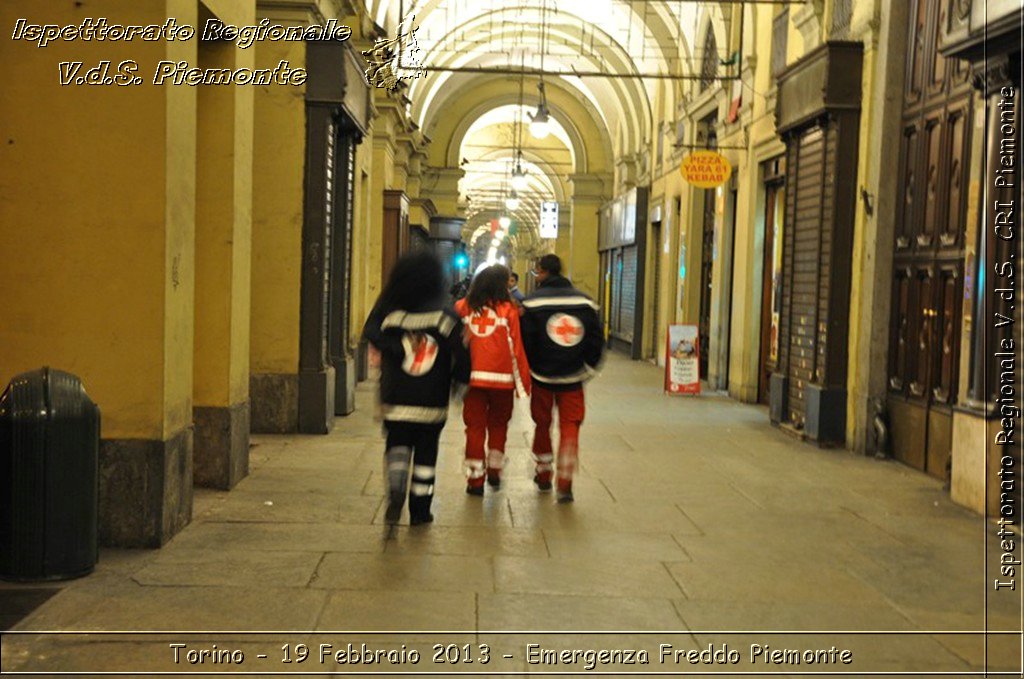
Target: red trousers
(486, 413)
(571, 409)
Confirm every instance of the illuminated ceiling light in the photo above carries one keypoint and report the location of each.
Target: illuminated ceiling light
(512, 202)
(519, 182)
(505, 222)
(539, 124)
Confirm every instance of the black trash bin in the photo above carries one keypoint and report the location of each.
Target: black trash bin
(49, 448)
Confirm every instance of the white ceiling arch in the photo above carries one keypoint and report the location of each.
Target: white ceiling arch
(615, 99)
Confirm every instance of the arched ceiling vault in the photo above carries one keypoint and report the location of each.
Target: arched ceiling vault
(637, 40)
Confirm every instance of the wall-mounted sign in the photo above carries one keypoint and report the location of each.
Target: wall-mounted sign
(682, 360)
(549, 219)
(706, 169)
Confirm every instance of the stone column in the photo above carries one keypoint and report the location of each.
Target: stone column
(584, 262)
(98, 217)
(223, 252)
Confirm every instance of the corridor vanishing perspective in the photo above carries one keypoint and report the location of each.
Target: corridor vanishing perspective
(692, 520)
(767, 250)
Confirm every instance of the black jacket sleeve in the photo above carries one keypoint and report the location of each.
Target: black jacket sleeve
(460, 352)
(387, 342)
(593, 339)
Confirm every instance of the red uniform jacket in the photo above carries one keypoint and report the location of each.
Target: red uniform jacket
(495, 347)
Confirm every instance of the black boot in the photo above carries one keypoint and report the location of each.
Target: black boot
(419, 509)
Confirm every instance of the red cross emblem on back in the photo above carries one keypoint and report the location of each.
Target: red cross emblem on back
(483, 323)
(565, 330)
(420, 353)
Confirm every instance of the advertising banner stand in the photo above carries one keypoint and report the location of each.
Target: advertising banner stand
(682, 360)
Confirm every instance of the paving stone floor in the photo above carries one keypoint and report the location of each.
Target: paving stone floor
(696, 525)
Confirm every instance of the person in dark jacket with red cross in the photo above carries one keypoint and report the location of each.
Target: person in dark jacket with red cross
(422, 353)
(564, 344)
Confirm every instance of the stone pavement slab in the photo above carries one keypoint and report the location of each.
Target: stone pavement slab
(693, 520)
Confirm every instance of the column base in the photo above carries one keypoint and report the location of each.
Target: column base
(316, 401)
(274, 403)
(221, 455)
(145, 493)
(826, 414)
(363, 361)
(345, 373)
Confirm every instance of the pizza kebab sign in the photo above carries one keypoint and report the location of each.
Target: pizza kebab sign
(706, 169)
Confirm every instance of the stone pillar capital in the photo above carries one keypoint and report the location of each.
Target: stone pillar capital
(589, 186)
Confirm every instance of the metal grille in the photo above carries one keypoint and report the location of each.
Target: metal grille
(616, 292)
(780, 35)
(842, 12)
(709, 67)
(628, 309)
(328, 232)
(806, 237)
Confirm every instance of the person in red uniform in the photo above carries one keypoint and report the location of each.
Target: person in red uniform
(499, 372)
(564, 343)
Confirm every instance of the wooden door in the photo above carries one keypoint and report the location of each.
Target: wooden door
(707, 262)
(924, 331)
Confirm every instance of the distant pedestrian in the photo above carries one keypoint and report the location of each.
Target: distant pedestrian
(460, 288)
(513, 288)
(564, 343)
(499, 372)
(422, 353)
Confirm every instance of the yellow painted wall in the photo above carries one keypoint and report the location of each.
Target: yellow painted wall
(224, 223)
(98, 220)
(179, 252)
(278, 149)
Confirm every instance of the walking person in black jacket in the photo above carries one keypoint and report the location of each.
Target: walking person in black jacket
(422, 352)
(564, 344)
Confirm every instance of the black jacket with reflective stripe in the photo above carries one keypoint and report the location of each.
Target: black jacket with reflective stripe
(412, 388)
(565, 365)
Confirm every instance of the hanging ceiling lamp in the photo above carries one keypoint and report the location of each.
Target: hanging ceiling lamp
(539, 125)
(512, 202)
(519, 181)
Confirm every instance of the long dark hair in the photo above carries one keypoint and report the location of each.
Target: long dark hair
(416, 283)
(489, 286)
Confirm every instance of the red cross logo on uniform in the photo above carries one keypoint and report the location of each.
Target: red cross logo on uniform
(420, 353)
(565, 330)
(483, 323)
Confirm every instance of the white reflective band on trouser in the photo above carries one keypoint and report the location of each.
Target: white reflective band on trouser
(421, 414)
(543, 461)
(474, 468)
(490, 377)
(422, 472)
(421, 489)
(495, 459)
(567, 462)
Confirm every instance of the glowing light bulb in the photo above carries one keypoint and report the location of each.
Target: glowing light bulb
(519, 181)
